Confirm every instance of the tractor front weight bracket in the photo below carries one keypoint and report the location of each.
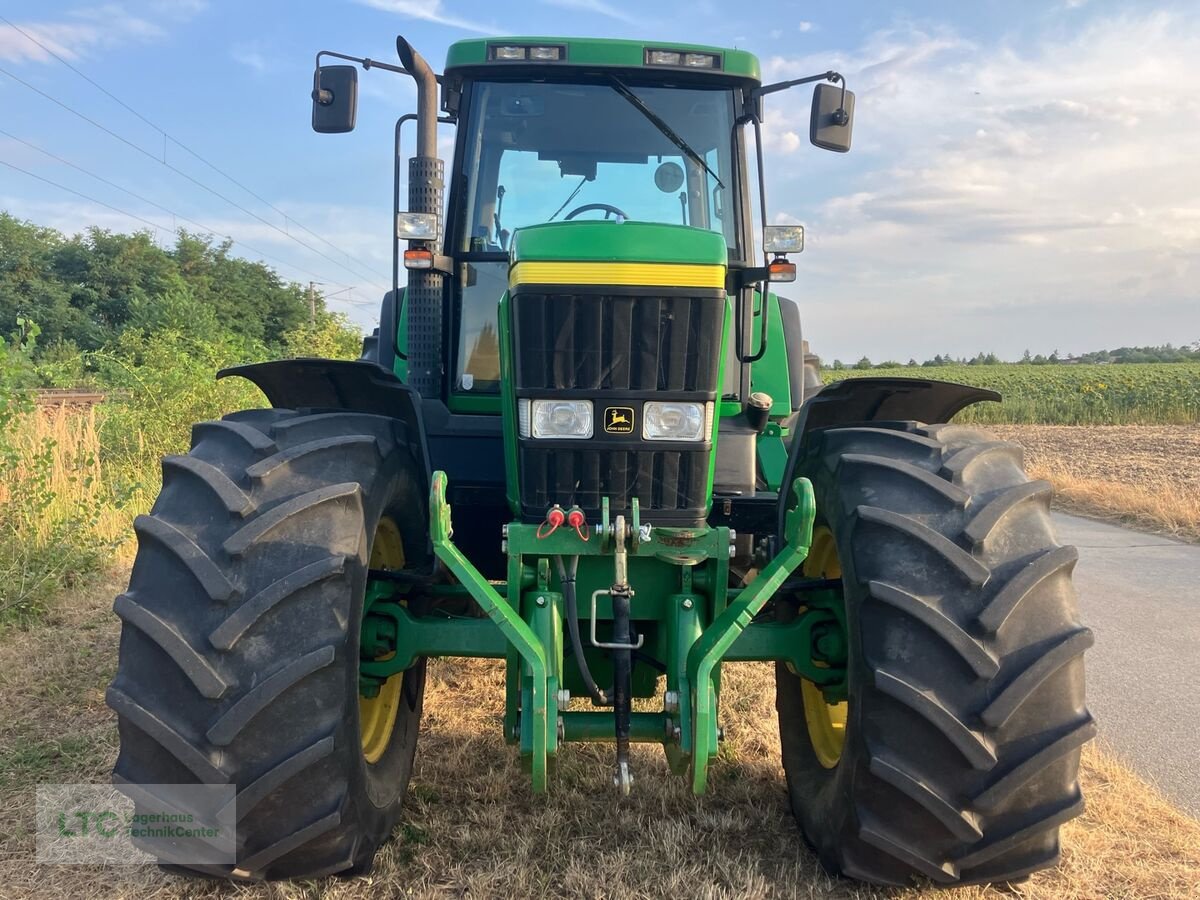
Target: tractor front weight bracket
(661, 599)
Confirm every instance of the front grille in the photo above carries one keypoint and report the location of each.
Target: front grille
(618, 343)
(670, 481)
(618, 350)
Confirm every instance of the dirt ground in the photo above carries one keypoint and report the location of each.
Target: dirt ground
(1147, 476)
(472, 829)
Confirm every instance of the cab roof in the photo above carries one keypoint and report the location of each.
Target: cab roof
(602, 52)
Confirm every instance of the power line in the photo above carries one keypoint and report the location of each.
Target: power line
(124, 212)
(166, 209)
(63, 187)
(184, 174)
(182, 145)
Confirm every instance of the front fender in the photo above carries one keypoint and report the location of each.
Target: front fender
(336, 384)
(888, 399)
(860, 401)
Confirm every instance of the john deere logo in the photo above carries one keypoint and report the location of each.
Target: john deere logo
(618, 420)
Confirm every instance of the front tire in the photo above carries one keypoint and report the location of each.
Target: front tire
(239, 648)
(957, 755)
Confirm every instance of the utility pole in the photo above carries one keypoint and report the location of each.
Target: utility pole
(312, 301)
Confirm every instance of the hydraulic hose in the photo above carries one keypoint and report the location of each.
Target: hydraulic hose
(567, 578)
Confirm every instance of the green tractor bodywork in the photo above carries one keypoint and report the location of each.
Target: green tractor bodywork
(682, 605)
(645, 486)
(688, 617)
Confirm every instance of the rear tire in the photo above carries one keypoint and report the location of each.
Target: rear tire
(239, 647)
(965, 674)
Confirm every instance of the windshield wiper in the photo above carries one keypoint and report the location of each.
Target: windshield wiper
(623, 89)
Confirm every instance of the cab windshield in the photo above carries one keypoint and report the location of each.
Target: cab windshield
(550, 152)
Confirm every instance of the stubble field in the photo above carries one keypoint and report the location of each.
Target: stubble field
(1146, 476)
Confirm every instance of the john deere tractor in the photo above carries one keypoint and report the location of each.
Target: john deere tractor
(589, 364)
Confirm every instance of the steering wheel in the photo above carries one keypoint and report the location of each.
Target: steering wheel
(588, 207)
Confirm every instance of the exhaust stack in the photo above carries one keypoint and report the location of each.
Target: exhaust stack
(426, 189)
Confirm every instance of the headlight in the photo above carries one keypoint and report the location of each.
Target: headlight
(413, 226)
(666, 421)
(562, 418)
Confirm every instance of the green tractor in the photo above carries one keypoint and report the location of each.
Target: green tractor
(589, 364)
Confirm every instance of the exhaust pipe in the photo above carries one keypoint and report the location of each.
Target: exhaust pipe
(426, 187)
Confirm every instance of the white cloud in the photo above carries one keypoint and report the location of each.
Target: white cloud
(599, 7)
(1000, 197)
(251, 56)
(427, 11)
(179, 9)
(69, 39)
(805, 26)
(86, 29)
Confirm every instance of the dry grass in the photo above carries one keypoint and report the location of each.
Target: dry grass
(1144, 475)
(58, 515)
(471, 828)
(60, 445)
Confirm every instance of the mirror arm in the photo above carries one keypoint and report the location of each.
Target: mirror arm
(840, 117)
(365, 62)
(326, 97)
(830, 76)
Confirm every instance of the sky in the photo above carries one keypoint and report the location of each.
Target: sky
(1025, 175)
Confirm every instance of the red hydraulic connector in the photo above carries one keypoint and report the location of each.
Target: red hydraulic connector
(554, 517)
(577, 520)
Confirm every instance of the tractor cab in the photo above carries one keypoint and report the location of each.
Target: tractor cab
(547, 135)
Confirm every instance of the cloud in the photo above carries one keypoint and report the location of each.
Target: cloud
(427, 11)
(251, 56)
(90, 28)
(179, 9)
(599, 7)
(805, 26)
(1042, 194)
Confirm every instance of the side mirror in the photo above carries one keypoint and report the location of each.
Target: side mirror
(832, 123)
(335, 99)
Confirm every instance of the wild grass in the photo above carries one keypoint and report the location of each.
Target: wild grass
(59, 517)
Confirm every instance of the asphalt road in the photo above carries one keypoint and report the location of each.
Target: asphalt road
(1140, 594)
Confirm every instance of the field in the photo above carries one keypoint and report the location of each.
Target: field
(1131, 394)
(471, 827)
(1147, 476)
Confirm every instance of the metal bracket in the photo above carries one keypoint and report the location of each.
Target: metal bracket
(592, 634)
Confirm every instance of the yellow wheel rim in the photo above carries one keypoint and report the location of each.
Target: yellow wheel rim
(826, 721)
(377, 715)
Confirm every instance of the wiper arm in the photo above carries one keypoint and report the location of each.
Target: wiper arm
(623, 89)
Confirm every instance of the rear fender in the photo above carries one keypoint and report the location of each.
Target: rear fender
(335, 384)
